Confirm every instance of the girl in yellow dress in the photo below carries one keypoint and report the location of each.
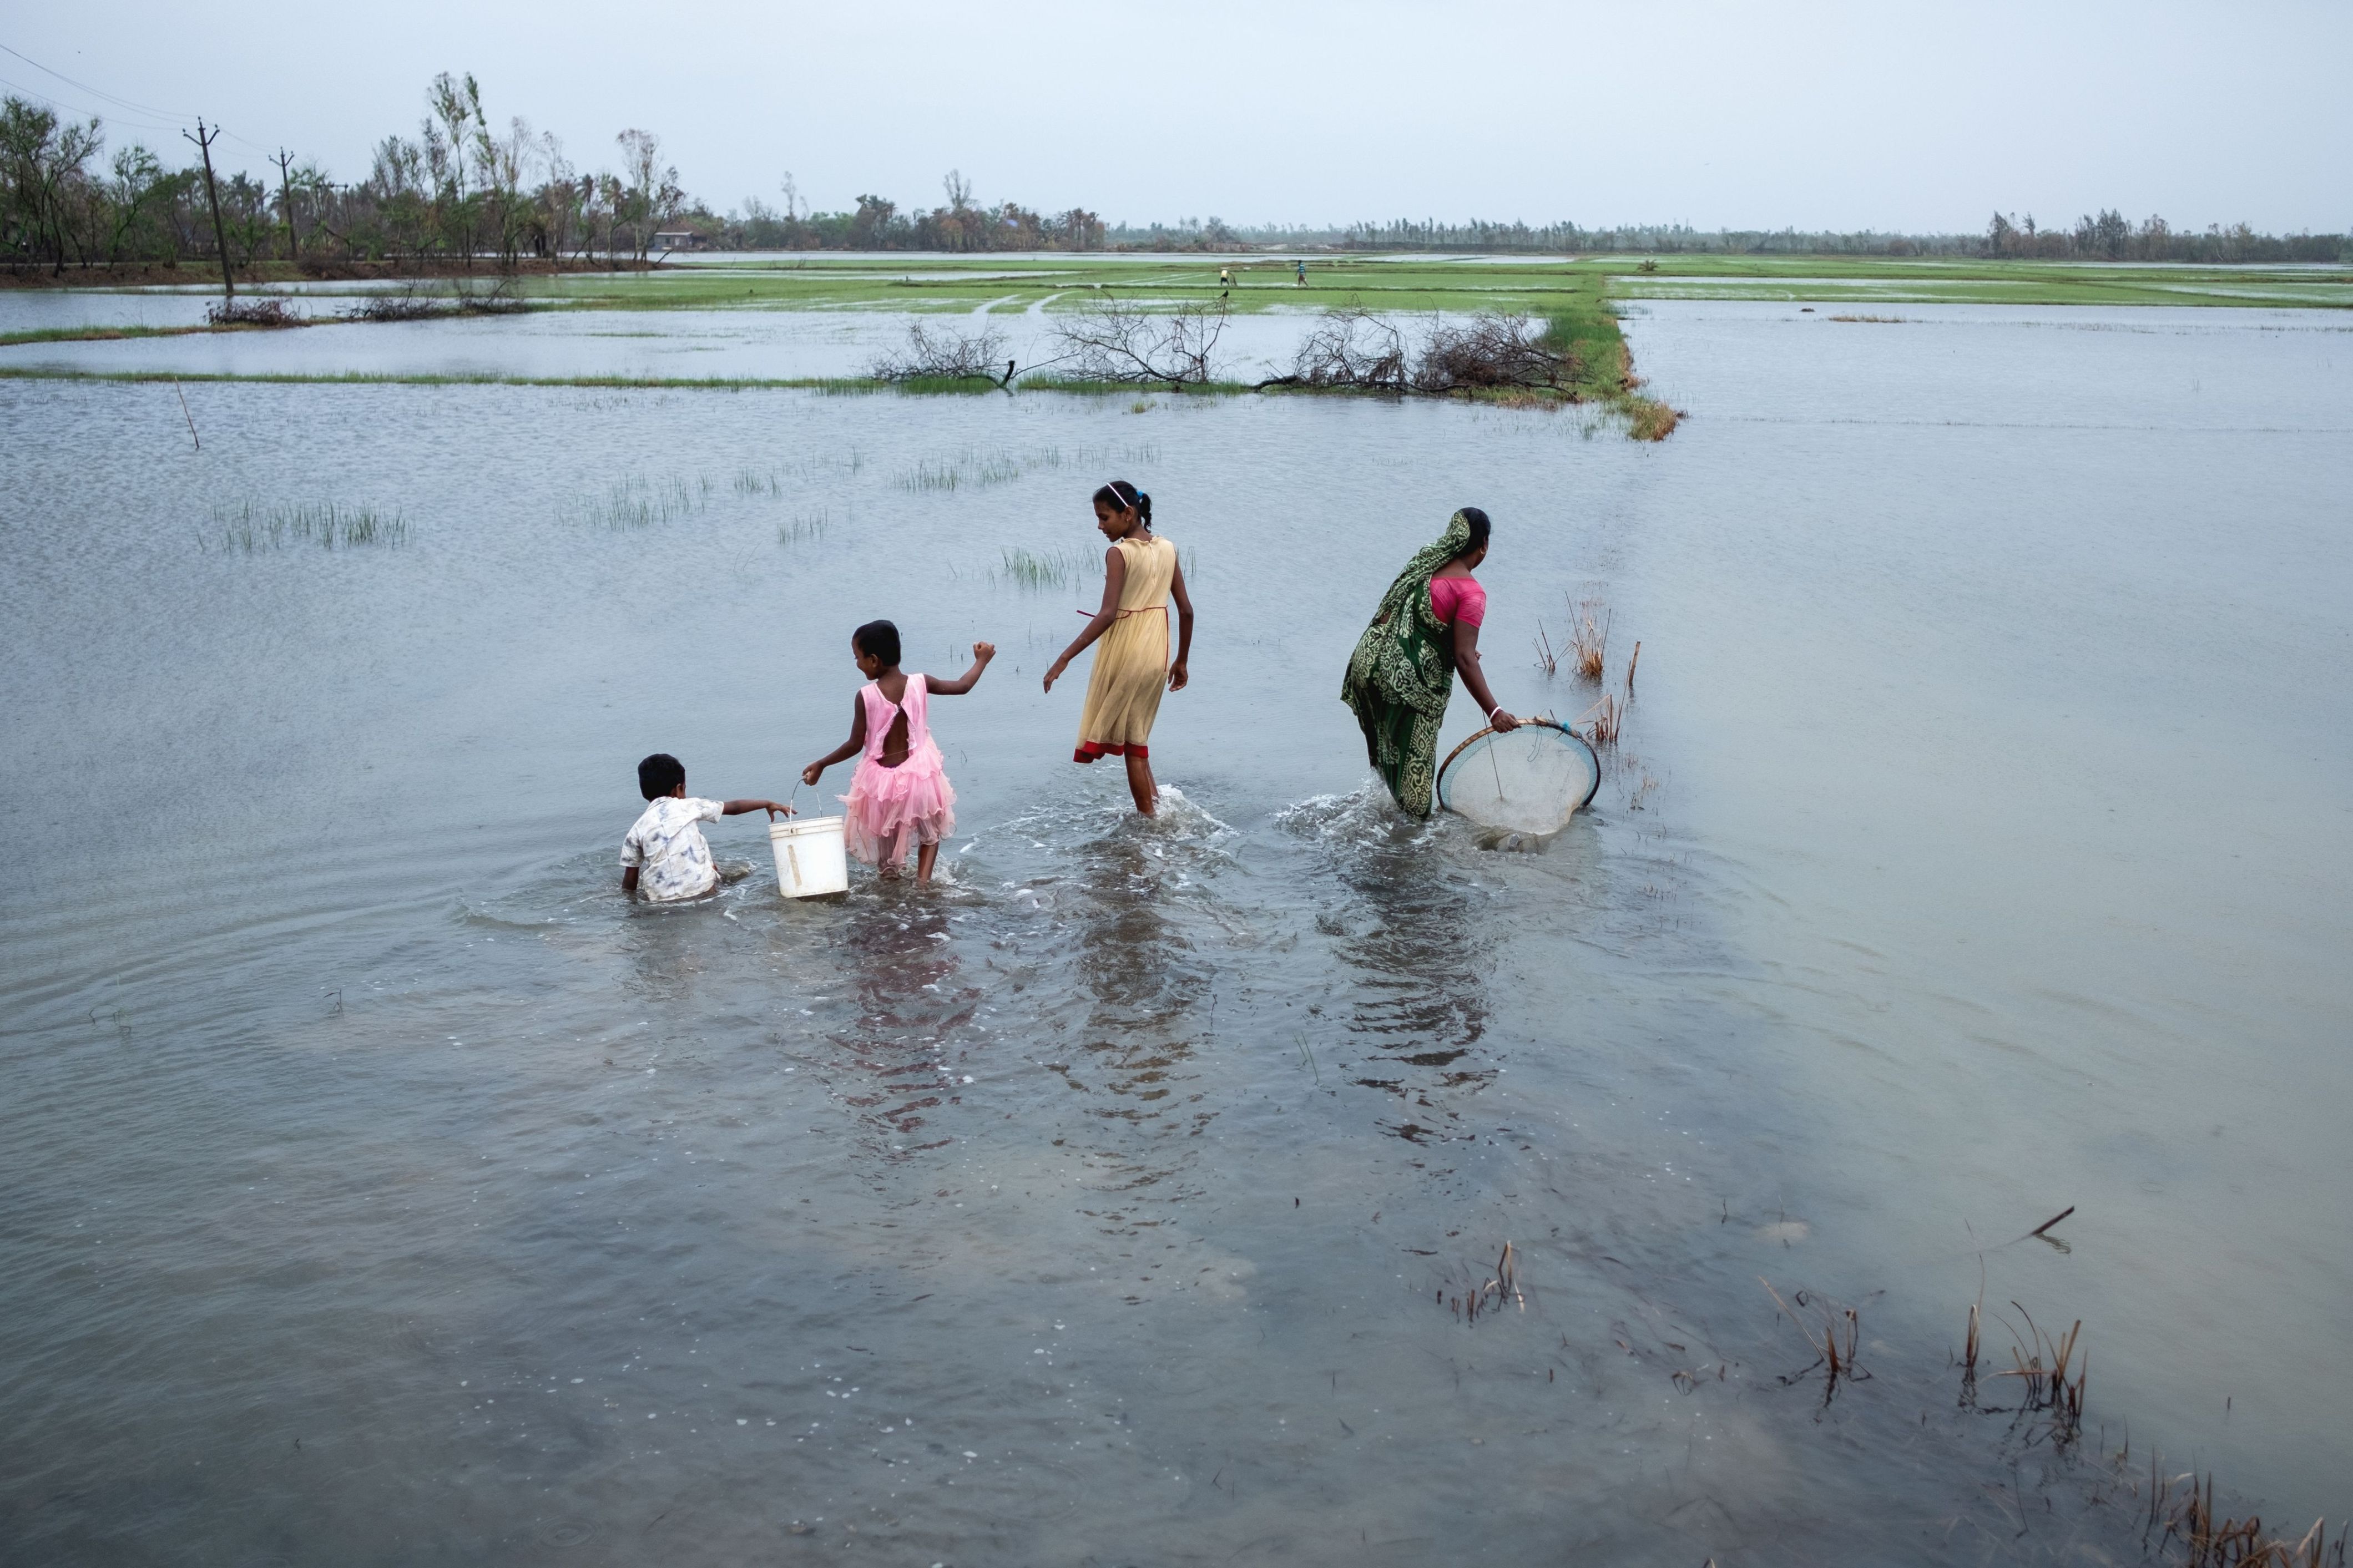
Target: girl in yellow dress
(1140, 576)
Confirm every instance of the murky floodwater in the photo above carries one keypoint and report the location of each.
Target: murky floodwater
(703, 344)
(380, 1187)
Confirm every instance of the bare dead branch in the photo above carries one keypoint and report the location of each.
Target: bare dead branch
(1362, 349)
(1117, 342)
(946, 352)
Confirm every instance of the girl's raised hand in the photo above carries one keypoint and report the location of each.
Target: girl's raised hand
(982, 652)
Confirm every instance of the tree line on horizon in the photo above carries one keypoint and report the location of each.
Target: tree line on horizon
(460, 191)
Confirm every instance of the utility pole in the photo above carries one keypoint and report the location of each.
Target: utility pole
(286, 198)
(203, 140)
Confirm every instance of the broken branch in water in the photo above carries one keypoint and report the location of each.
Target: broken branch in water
(1130, 344)
(186, 415)
(946, 353)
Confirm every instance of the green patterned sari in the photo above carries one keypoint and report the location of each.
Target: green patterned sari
(1402, 674)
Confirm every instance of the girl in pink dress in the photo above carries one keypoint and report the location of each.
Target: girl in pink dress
(900, 795)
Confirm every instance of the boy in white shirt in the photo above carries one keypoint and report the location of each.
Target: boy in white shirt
(664, 855)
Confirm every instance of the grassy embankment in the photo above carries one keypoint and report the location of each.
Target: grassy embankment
(1570, 297)
(1578, 297)
(112, 334)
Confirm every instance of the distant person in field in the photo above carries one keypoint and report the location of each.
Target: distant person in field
(899, 797)
(1303, 274)
(1130, 632)
(1225, 277)
(664, 859)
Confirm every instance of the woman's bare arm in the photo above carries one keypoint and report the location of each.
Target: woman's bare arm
(1114, 579)
(982, 652)
(848, 749)
(1474, 679)
(1177, 675)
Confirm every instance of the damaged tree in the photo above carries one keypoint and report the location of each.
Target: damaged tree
(944, 354)
(1493, 350)
(1116, 341)
(1351, 346)
(1362, 350)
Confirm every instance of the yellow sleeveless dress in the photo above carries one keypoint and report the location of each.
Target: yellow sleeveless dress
(1130, 658)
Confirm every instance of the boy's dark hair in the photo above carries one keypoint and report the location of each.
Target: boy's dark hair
(661, 775)
(877, 639)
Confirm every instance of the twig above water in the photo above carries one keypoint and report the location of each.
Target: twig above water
(186, 415)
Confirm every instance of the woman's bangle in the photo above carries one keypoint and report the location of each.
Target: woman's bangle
(1498, 708)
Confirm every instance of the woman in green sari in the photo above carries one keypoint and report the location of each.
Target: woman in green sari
(1402, 673)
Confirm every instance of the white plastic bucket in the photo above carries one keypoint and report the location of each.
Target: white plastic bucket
(811, 859)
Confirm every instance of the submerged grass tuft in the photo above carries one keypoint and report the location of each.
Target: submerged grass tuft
(972, 466)
(247, 530)
(1650, 418)
(1037, 570)
(638, 502)
(929, 475)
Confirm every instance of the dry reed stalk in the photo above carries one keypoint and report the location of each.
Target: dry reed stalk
(1546, 660)
(1601, 722)
(2212, 1543)
(1500, 1286)
(1841, 1334)
(1969, 1359)
(2048, 1386)
(1630, 663)
(1588, 638)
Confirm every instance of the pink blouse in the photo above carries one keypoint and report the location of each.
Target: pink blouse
(1458, 599)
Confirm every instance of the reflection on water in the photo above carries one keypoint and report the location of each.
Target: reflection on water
(1416, 939)
(1140, 975)
(373, 1172)
(912, 1006)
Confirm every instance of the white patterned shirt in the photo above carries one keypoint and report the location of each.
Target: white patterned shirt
(668, 847)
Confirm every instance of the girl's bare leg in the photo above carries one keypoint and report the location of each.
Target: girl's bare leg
(1140, 785)
(888, 859)
(926, 857)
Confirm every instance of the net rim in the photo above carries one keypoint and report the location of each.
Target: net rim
(1438, 780)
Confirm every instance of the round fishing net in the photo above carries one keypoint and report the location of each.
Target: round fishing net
(1531, 781)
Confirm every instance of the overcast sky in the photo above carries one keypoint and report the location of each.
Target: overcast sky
(1819, 115)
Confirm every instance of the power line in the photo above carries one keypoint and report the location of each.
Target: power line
(98, 92)
(179, 118)
(61, 104)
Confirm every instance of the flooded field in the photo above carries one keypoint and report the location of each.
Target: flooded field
(666, 345)
(378, 1186)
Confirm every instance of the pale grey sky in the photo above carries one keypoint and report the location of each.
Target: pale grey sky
(1816, 114)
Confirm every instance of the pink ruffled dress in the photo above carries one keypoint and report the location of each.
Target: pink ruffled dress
(890, 809)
